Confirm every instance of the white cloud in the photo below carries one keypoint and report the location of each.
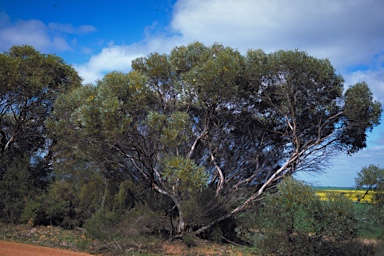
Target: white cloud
(346, 32)
(85, 29)
(47, 38)
(373, 77)
(119, 58)
(109, 59)
(70, 29)
(32, 32)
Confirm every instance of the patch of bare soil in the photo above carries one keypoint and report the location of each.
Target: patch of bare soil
(17, 249)
(49, 240)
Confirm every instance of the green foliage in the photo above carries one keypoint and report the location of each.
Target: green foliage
(33, 213)
(361, 114)
(103, 225)
(67, 203)
(30, 82)
(293, 221)
(184, 174)
(206, 128)
(203, 117)
(62, 205)
(59, 206)
(121, 231)
(129, 196)
(173, 130)
(189, 241)
(201, 206)
(370, 221)
(15, 188)
(93, 193)
(371, 179)
(178, 129)
(335, 217)
(292, 206)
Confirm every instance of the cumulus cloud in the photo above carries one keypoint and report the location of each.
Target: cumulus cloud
(109, 59)
(373, 77)
(70, 29)
(335, 29)
(32, 32)
(346, 32)
(47, 38)
(119, 57)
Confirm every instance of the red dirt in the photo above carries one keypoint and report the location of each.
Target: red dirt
(16, 249)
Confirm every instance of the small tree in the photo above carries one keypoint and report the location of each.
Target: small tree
(371, 179)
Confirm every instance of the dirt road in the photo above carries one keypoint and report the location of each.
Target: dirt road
(16, 249)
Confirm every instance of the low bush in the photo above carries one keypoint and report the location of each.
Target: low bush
(136, 229)
(294, 221)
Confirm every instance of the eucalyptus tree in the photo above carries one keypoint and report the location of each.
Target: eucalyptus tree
(211, 119)
(29, 84)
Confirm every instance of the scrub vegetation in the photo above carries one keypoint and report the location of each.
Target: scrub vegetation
(196, 145)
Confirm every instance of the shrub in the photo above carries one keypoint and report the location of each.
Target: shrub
(294, 221)
(335, 218)
(15, 188)
(33, 213)
(189, 241)
(135, 228)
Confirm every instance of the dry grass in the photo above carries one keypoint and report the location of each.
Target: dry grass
(77, 241)
(49, 236)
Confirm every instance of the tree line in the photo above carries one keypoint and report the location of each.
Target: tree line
(192, 138)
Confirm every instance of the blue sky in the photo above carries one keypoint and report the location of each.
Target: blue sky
(97, 37)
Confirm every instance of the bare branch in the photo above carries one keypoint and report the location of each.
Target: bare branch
(220, 172)
(193, 147)
(132, 160)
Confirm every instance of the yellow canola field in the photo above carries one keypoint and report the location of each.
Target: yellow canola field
(352, 194)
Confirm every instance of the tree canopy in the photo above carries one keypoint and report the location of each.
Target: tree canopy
(212, 119)
(371, 179)
(29, 84)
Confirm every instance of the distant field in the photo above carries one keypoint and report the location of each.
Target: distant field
(351, 193)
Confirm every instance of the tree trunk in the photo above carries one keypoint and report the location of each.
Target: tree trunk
(180, 228)
(181, 222)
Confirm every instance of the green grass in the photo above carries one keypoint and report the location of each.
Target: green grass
(369, 226)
